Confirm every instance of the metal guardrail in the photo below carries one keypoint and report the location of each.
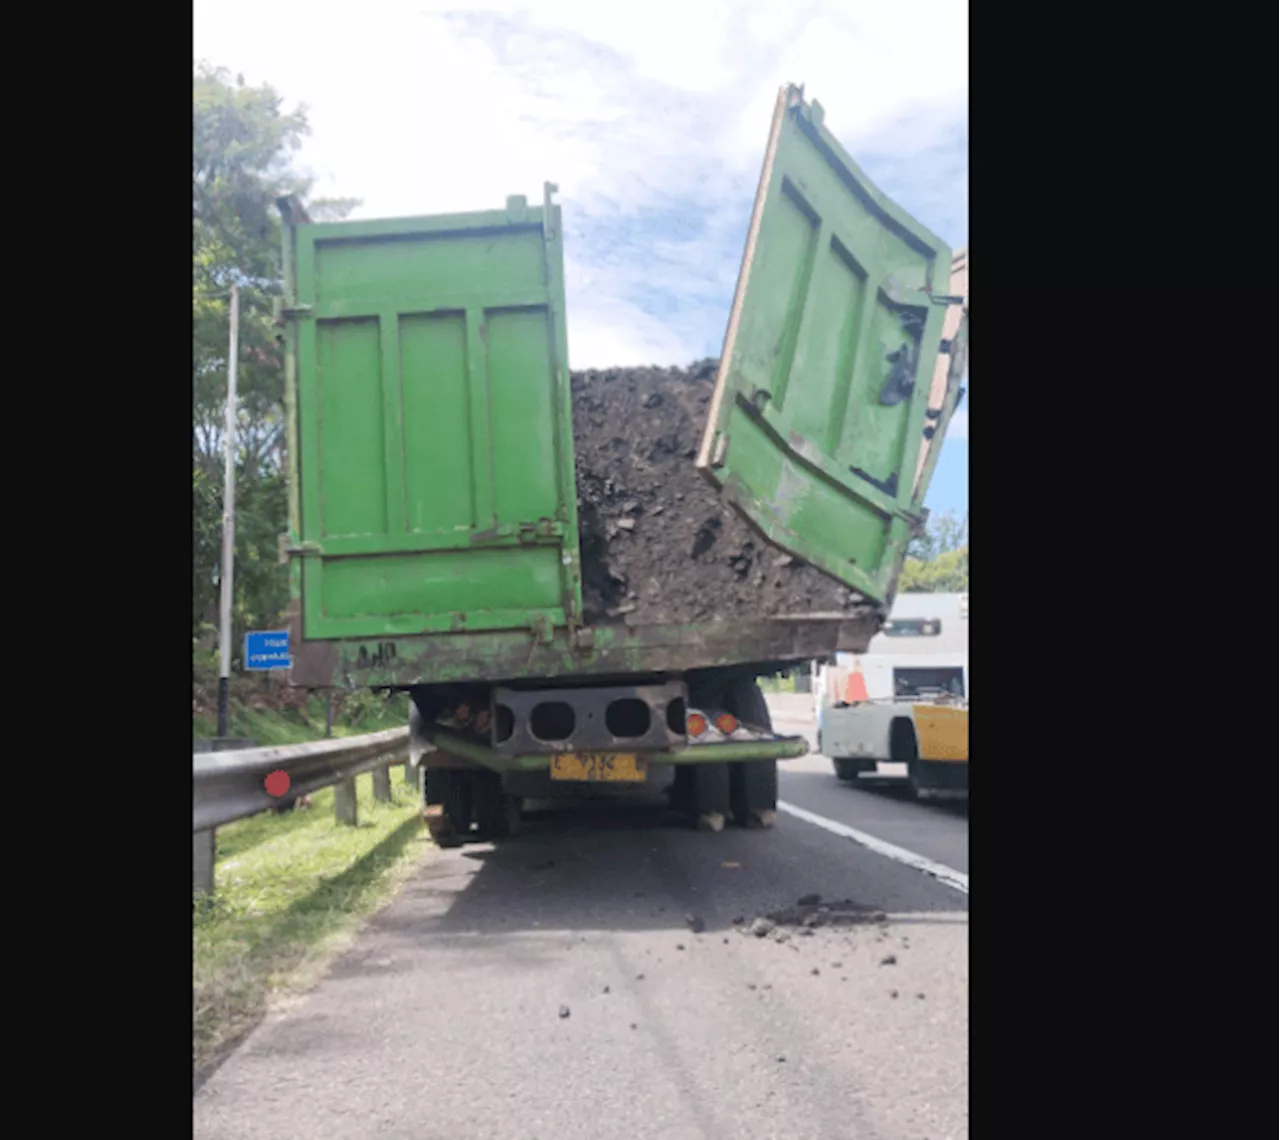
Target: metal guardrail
(227, 786)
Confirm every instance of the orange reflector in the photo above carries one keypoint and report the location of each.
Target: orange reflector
(697, 724)
(726, 724)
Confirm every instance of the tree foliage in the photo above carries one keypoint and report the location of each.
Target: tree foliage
(244, 143)
(938, 561)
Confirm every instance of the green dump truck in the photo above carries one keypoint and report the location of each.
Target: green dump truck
(434, 540)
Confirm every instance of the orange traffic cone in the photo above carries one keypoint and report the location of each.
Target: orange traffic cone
(855, 689)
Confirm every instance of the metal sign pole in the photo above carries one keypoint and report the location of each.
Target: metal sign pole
(228, 516)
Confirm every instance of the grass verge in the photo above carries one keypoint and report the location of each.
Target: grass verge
(291, 891)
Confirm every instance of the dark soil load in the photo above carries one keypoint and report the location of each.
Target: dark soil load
(657, 546)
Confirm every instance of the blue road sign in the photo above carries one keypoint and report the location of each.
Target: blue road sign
(264, 650)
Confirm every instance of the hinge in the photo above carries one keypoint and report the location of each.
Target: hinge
(280, 312)
(718, 449)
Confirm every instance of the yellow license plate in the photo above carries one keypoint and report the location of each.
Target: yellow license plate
(598, 767)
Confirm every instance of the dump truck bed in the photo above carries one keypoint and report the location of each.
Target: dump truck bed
(435, 530)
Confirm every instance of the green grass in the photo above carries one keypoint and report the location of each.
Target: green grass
(291, 891)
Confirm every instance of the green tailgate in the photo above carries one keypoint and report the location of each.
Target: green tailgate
(432, 447)
(819, 413)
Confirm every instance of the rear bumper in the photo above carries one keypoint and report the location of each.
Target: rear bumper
(453, 745)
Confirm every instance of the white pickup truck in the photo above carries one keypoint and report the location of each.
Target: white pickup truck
(905, 701)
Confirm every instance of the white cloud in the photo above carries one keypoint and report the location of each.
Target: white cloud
(651, 118)
(958, 428)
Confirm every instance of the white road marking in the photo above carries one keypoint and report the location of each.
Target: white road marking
(944, 874)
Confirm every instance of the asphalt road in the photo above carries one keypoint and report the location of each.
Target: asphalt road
(552, 987)
(878, 805)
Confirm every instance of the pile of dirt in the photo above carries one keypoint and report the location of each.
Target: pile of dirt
(657, 546)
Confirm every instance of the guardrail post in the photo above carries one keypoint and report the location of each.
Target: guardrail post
(344, 802)
(382, 784)
(204, 851)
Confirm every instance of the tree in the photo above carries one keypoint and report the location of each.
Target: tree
(946, 574)
(938, 561)
(943, 533)
(243, 142)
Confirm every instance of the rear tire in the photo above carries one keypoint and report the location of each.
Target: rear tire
(753, 784)
(705, 792)
(497, 814)
(847, 771)
(919, 790)
(449, 805)
(680, 793)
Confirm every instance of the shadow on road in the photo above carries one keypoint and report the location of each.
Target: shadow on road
(636, 867)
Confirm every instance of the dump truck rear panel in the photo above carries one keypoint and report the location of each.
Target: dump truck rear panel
(436, 461)
(825, 376)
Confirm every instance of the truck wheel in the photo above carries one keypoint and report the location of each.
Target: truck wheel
(708, 785)
(712, 796)
(680, 793)
(903, 743)
(847, 771)
(497, 814)
(753, 784)
(449, 805)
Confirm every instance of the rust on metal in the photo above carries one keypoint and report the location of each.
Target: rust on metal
(315, 664)
(597, 651)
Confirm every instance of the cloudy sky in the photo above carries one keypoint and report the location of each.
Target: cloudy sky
(651, 118)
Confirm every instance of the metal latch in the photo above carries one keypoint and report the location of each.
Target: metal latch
(302, 548)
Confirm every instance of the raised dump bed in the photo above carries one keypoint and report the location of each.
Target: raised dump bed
(464, 509)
